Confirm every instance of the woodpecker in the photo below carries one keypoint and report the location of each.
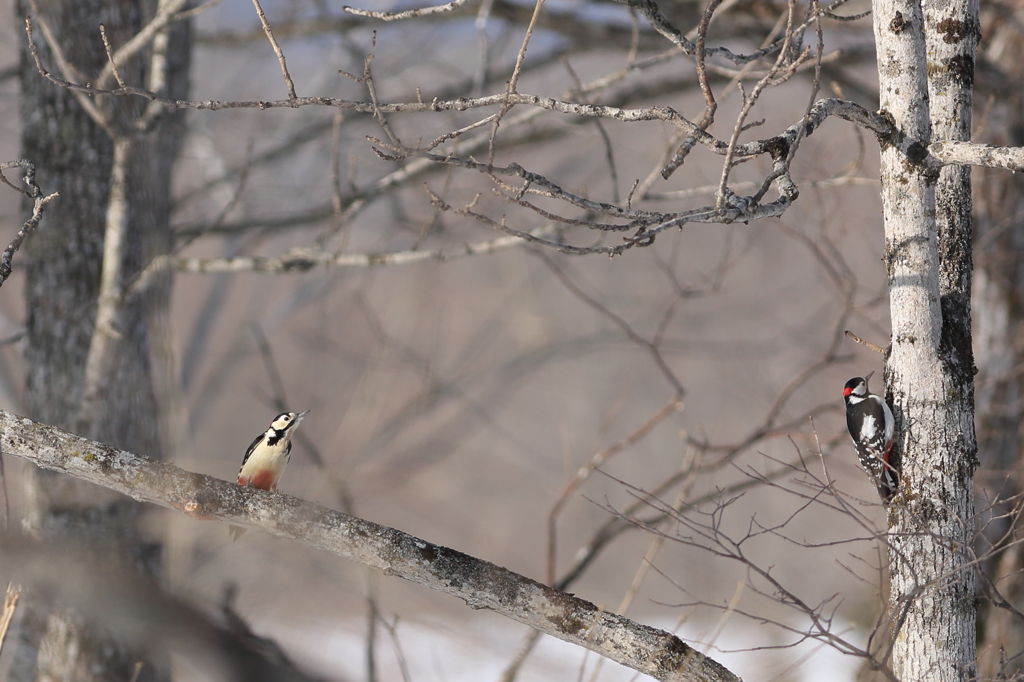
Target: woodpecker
(873, 430)
(266, 458)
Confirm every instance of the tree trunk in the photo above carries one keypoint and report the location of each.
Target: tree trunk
(926, 66)
(999, 290)
(63, 261)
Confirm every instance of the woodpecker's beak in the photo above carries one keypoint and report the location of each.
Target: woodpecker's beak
(867, 378)
(299, 417)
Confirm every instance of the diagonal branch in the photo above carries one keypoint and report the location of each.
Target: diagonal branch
(277, 49)
(481, 584)
(106, 336)
(166, 14)
(38, 204)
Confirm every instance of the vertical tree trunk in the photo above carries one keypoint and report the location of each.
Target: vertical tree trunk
(998, 292)
(63, 262)
(925, 63)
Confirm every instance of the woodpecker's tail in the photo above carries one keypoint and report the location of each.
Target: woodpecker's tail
(888, 482)
(236, 532)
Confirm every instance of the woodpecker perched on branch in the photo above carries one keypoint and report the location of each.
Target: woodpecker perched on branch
(266, 458)
(873, 430)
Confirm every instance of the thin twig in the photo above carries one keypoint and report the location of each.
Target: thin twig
(10, 604)
(725, 196)
(7, 499)
(167, 13)
(596, 460)
(90, 106)
(710, 105)
(372, 615)
(517, 70)
(337, 202)
(403, 664)
(371, 88)
(110, 57)
(483, 46)
(853, 337)
(39, 203)
(609, 152)
(277, 49)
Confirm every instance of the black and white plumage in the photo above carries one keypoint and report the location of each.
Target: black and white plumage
(267, 457)
(873, 430)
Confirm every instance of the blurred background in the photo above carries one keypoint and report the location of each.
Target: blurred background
(456, 398)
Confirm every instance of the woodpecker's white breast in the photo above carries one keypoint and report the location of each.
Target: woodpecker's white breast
(265, 464)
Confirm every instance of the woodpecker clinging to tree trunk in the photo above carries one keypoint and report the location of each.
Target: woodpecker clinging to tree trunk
(266, 458)
(873, 429)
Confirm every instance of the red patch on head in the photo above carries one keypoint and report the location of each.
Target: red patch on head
(847, 391)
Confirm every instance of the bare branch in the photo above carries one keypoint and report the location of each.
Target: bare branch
(510, 88)
(10, 604)
(67, 69)
(167, 13)
(674, 405)
(277, 49)
(482, 15)
(867, 344)
(974, 154)
(480, 584)
(408, 14)
(110, 57)
(650, 11)
(300, 260)
(109, 302)
(38, 205)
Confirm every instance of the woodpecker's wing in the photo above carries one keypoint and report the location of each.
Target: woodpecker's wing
(890, 422)
(259, 439)
(871, 422)
(878, 422)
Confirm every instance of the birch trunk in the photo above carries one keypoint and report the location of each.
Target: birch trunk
(925, 66)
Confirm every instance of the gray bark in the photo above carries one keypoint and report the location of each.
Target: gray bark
(62, 263)
(925, 63)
